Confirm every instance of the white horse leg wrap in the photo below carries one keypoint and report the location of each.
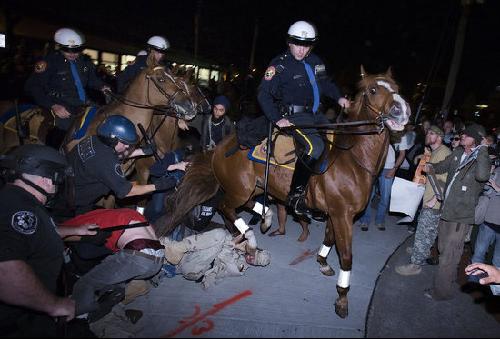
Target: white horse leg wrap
(344, 279)
(324, 250)
(258, 208)
(241, 225)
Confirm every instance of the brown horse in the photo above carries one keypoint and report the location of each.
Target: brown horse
(341, 192)
(155, 89)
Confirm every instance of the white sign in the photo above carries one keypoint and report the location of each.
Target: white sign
(405, 198)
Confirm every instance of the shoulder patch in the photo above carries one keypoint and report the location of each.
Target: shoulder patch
(118, 170)
(40, 66)
(270, 71)
(24, 222)
(86, 149)
(318, 69)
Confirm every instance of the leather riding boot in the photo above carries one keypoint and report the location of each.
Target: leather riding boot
(296, 197)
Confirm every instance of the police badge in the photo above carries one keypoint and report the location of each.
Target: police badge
(270, 71)
(24, 222)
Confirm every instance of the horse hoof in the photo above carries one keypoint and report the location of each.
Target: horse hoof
(327, 270)
(341, 310)
(264, 227)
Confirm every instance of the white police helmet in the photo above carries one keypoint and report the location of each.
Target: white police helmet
(69, 38)
(302, 33)
(158, 43)
(142, 52)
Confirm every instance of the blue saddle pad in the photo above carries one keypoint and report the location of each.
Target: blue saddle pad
(85, 122)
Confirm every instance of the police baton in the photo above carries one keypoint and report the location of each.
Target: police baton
(148, 141)
(266, 173)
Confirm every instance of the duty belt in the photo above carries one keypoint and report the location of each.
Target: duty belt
(287, 110)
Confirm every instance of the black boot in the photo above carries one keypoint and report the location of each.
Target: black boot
(296, 197)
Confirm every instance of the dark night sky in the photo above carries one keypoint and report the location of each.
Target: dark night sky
(378, 34)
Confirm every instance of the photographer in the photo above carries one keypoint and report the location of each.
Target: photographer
(488, 216)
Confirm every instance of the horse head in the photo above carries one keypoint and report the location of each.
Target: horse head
(379, 94)
(170, 92)
(199, 100)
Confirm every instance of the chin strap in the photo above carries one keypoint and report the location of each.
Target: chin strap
(50, 196)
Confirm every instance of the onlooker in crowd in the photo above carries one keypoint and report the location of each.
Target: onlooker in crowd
(455, 141)
(384, 182)
(489, 229)
(468, 168)
(431, 211)
(157, 46)
(216, 125)
(448, 132)
(31, 250)
(402, 148)
(61, 79)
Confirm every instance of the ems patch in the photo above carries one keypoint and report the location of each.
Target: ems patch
(119, 171)
(40, 66)
(270, 72)
(24, 222)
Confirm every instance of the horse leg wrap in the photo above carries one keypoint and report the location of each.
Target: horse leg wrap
(324, 250)
(241, 225)
(257, 208)
(344, 279)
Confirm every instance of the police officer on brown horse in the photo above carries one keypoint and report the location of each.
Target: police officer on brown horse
(290, 95)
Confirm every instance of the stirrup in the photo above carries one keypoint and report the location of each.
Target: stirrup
(298, 204)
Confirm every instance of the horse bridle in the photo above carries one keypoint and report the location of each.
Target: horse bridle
(156, 82)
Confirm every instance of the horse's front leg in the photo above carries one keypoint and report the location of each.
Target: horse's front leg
(343, 236)
(325, 249)
(256, 207)
(229, 210)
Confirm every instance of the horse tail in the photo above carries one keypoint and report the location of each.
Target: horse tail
(198, 185)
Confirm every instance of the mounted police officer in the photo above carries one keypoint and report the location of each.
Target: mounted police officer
(31, 249)
(157, 46)
(97, 160)
(61, 80)
(290, 95)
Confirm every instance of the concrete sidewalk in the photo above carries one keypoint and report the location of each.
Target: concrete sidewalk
(291, 298)
(288, 298)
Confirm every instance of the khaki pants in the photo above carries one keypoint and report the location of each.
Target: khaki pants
(451, 238)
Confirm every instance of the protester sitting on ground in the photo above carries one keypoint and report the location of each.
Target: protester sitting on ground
(137, 255)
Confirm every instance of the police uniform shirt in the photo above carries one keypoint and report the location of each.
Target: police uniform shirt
(28, 233)
(97, 173)
(52, 81)
(286, 82)
(130, 72)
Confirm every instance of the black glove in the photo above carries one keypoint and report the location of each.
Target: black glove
(99, 239)
(149, 149)
(165, 183)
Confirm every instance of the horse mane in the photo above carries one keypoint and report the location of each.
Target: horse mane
(196, 187)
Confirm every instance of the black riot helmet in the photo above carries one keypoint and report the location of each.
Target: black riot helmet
(40, 160)
(37, 160)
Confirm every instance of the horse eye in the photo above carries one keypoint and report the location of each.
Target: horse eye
(373, 91)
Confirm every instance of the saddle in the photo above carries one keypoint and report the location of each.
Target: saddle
(283, 151)
(34, 119)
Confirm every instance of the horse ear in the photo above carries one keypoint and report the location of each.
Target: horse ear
(388, 73)
(175, 69)
(150, 61)
(188, 74)
(363, 72)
